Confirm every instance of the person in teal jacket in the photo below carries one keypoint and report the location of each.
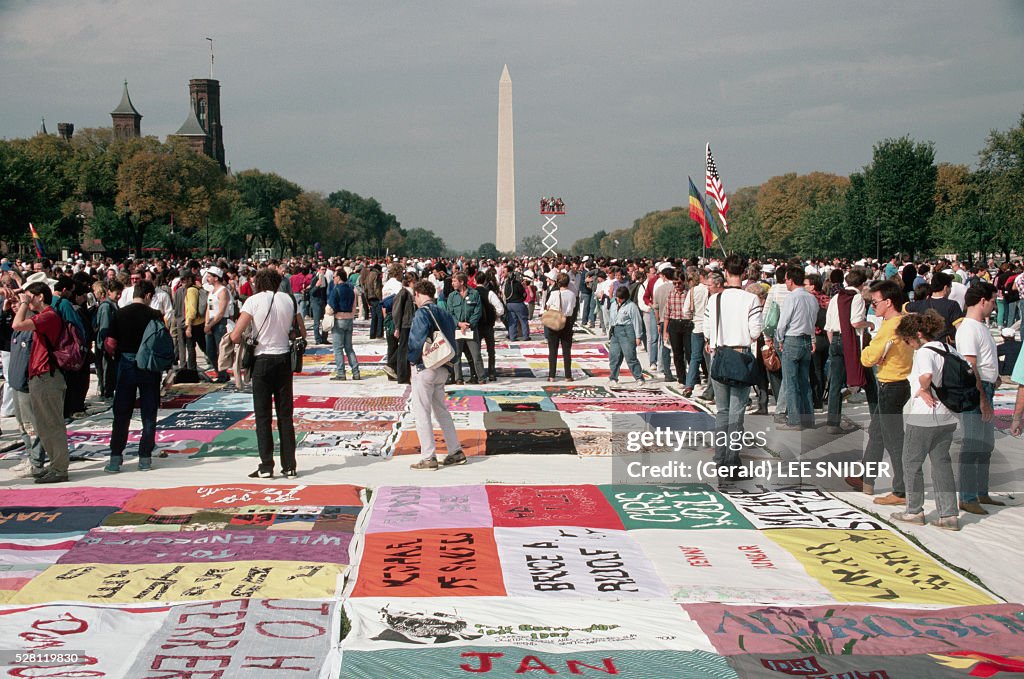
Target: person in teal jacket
(464, 306)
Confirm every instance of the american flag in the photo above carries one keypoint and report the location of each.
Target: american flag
(715, 189)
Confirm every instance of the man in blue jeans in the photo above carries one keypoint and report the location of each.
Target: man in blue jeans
(696, 303)
(515, 295)
(975, 344)
(127, 328)
(732, 323)
(796, 329)
(341, 301)
(317, 301)
(624, 330)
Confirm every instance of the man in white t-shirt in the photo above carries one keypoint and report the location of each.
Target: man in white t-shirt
(270, 314)
(736, 329)
(975, 343)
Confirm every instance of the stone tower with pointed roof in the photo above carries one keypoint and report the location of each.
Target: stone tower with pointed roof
(127, 121)
(193, 134)
(205, 96)
(202, 130)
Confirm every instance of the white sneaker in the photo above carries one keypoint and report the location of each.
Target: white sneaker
(22, 469)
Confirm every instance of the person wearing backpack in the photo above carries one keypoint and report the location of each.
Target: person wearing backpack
(975, 344)
(930, 423)
(77, 381)
(46, 383)
(428, 398)
(128, 330)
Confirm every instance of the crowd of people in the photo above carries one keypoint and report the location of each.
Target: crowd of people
(551, 206)
(806, 334)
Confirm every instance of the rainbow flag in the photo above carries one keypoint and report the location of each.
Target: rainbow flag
(699, 213)
(36, 241)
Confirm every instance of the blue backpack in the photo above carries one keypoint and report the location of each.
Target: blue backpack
(156, 351)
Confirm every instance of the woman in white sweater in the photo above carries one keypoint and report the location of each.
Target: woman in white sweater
(560, 298)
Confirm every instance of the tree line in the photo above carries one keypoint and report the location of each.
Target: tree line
(139, 194)
(901, 203)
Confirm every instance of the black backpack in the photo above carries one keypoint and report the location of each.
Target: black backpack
(959, 390)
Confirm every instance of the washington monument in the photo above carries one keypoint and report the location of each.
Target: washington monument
(505, 238)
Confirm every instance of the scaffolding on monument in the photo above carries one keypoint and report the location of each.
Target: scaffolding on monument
(550, 208)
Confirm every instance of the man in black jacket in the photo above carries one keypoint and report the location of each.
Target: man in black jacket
(127, 329)
(402, 312)
(515, 295)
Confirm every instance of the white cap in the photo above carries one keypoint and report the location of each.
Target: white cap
(768, 268)
(661, 266)
(551, 275)
(1009, 333)
(216, 271)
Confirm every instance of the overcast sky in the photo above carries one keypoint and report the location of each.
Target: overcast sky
(613, 101)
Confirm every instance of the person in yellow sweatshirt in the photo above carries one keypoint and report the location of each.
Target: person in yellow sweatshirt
(892, 359)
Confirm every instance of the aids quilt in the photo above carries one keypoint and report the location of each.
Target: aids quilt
(255, 580)
(240, 580)
(656, 582)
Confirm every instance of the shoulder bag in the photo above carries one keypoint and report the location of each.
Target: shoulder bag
(438, 350)
(730, 366)
(553, 319)
(770, 357)
(296, 341)
(247, 349)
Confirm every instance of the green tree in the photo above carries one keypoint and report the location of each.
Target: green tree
(1000, 181)
(956, 224)
(394, 241)
(94, 160)
(667, 233)
(900, 189)
(744, 235)
(233, 234)
(589, 245)
(617, 244)
(171, 182)
(366, 217)
(488, 251)
(263, 192)
(423, 243)
(532, 245)
(782, 200)
(822, 231)
(303, 220)
(34, 187)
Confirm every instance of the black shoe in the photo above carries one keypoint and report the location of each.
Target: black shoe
(458, 457)
(261, 474)
(51, 476)
(289, 473)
